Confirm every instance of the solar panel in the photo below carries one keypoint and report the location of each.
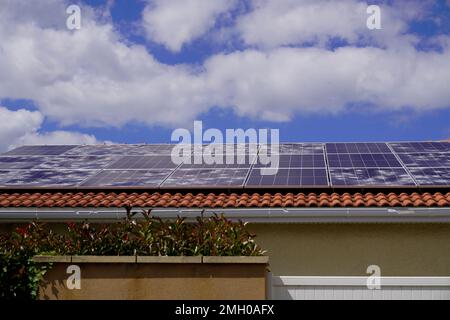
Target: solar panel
(6, 175)
(412, 164)
(410, 147)
(47, 178)
(358, 147)
(293, 148)
(40, 150)
(127, 178)
(211, 178)
(237, 161)
(76, 162)
(288, 178)
(427, 160)
(224, 149)
(431, 176)
(370, 177)
(124, 149)
(20, 162)
(363, 160)
(143, 162)
(295, 161)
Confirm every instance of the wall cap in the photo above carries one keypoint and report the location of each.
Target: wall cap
(236, 259)
(169, 259)
(49, 259)
(152, 259)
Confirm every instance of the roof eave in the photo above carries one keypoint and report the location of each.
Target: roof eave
(253, 215)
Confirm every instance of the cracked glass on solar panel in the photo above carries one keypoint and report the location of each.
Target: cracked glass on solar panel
(20, 162)
(76, 162)
(358, 147)
(192, 178)
(370, 177)
(411, 147)
(292, 148)
(40, 150)
(427, 160)
(236, 161)
(143, 162)
(6, 175)
(288, 177)
(431, 176)
(125, 150)
(48, 178)
(127, 178)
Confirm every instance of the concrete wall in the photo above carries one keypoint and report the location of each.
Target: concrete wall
(347, 249)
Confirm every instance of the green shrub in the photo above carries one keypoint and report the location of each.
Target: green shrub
(19, 275)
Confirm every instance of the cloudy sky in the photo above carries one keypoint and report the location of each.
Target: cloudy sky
(136, 70)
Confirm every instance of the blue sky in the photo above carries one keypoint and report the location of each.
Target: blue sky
(231, 69)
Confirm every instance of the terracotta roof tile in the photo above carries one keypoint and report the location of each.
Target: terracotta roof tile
(224, 200)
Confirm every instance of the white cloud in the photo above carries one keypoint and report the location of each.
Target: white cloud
(92, 77)
(174, 23)
(22, 127)
(275, 85)
(274, 23)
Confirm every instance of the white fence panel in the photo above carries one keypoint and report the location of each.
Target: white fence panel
(354, 288)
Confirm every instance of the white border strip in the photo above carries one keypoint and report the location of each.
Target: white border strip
(283, 281)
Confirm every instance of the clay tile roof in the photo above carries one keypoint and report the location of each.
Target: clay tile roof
(224, 200)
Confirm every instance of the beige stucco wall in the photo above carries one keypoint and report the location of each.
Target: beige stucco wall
(172, 281)
(347, 249)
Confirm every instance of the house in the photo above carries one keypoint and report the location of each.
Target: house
(338, 220)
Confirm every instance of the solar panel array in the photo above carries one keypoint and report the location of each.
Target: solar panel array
(287, 165)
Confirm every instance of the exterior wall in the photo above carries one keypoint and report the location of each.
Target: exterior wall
(348, 249)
